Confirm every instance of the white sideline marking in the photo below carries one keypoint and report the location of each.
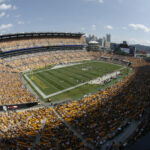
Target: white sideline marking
(107, 62)
(31, 72)
(65, 65)
(65, 90)
(59, 66)
(59, 92)
(39, 91)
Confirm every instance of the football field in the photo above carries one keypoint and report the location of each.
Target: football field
(52, 82)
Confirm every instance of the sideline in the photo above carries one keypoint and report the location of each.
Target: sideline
(107, 62)
(70, 64)
(37, 89)
(53, 68)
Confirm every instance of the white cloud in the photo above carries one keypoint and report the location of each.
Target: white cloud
(5, 6)
(2, 14)
(139, 27)
(108, 27)
(139, 41)
(5, 26)
(93, 27)
(131, 40)
(99, 1)
(20, 22)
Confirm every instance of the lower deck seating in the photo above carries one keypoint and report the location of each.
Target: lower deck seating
(13, 90)
(94, 117)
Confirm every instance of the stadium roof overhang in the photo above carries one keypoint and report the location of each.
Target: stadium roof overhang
(39, 34)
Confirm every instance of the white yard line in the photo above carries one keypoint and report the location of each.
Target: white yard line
(59, 92)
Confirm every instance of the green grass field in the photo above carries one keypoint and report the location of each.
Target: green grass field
(87, 89)
(51, 81)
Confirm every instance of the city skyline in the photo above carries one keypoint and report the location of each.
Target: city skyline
(123, 19)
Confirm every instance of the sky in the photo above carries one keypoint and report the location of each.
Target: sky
(124, 19)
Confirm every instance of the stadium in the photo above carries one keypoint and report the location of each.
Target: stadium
(57, 95)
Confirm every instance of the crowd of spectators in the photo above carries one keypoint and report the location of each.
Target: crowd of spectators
(29, 62)
(39, 42)
(12, 89)
(99, 115)
(96, 117)
(20, 130)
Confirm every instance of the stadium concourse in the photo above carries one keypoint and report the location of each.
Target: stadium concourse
(93, 122)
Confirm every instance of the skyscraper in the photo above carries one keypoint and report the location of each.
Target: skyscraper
(103, 42)
(108, 38)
